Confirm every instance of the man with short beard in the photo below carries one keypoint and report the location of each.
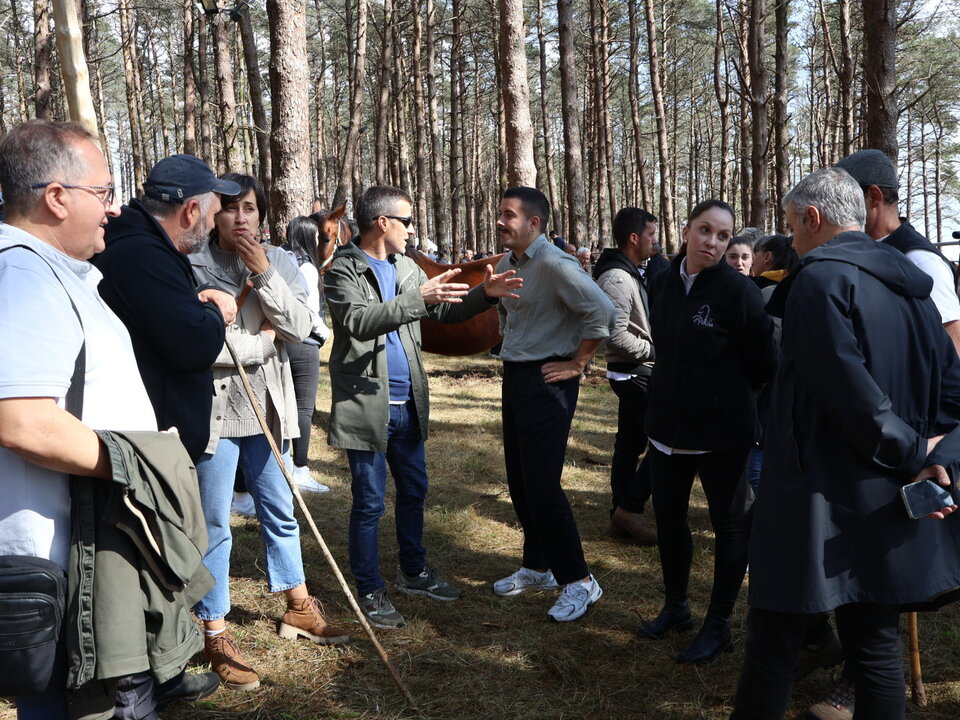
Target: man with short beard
(177, 329)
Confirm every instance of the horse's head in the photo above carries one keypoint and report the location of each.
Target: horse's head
(334, 232)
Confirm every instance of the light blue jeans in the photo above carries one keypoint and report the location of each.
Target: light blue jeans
(274, 503)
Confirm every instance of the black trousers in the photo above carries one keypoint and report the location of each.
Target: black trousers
(871, 641)
(305, 368)
(630, 484)
(536, 423)
(721, 475)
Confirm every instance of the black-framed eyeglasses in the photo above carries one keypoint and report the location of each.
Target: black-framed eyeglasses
(405, 220)
(104, 193)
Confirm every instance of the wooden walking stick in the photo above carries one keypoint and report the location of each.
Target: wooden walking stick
(316, 533)
(917, 692)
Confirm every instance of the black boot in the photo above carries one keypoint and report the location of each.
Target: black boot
(675, 615)
(712, 640)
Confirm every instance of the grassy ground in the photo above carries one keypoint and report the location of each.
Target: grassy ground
(490, 657)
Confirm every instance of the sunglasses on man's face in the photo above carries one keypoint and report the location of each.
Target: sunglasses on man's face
(405, 220)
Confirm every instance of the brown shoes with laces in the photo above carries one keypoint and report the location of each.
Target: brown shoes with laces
(304, 618)
(225, 660)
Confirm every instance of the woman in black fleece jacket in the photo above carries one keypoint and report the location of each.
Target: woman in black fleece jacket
(714, 349)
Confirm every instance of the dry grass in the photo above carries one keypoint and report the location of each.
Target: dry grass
(490, 657)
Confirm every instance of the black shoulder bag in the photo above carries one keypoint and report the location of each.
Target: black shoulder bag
(33, 592)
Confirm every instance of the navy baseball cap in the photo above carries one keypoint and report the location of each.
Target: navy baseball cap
(871, 167)
(178, 177)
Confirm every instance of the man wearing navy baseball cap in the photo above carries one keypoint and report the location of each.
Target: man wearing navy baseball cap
(177, 328)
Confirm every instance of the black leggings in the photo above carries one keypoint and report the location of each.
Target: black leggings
(305, 368)
(721, 475)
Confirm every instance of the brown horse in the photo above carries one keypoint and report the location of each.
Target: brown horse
(334, 233)
(476, 335)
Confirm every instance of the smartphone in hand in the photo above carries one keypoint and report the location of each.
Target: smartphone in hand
(924, 497)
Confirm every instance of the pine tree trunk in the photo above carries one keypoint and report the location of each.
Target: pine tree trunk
(573, 148)
(383, 107)
(424, 187)
(780, 118)
(290, 129)
(455, 123)
(759, 150)
(42, 59)
(521, 168)
(203, 89)
(228, 98)
(345, 181)
(256, 98)
(189, 82)
(667, 224)
(879, 75)
(721, 88)
(134, 114)
(845, 81)
(73, 65)
(555, 214)
(441, 227)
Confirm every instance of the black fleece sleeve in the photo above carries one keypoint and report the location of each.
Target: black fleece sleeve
(152, 295)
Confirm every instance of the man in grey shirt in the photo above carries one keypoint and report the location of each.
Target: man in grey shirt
(549, 334)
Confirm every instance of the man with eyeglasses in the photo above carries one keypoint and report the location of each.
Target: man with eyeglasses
(377, 297)
(177, 328)
(67, 366)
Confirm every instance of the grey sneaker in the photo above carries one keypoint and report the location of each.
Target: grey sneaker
(525, 579)
(380, 611)
(428, 583)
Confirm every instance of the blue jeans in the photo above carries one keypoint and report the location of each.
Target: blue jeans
(274, 503)
(406, 457)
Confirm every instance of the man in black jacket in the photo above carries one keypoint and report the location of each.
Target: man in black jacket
(867, 384)
(177, 329)
(877, 177)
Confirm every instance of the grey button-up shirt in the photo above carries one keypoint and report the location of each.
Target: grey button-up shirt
(560, 305)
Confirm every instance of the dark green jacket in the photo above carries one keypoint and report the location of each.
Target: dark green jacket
(360, 410)
(135, 569)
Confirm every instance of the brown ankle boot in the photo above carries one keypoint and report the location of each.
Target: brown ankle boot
(225, 660)
(304, 618)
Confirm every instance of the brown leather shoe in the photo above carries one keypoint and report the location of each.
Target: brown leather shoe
(625, 524)
(304, 618)
(225, 660)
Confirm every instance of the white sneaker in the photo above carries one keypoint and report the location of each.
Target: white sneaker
(575, 599)
(524, 579)
(243, 505)
(304, 481)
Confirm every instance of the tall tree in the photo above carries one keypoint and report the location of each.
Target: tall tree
(42, 59)
(228, 97)
(667, 228)
(189, 82)
(345, 181)
(290, 129)
(573, 160)
(384, 105)
(879, 74)
(781, 135)
(521, 169)
(759, 136)
(73, 65)
(252, 63)
(556, 216)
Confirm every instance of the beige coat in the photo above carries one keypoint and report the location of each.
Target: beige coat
(278, 295)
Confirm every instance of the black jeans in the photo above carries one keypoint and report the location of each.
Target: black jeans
(721, 475)
(871, 641)
(305, 368)
(536, 423)
(630, 485)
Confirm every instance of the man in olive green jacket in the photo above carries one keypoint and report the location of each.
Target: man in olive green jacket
(380, 407)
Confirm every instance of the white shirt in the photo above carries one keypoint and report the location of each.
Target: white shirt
(41, 337)
(944, 295)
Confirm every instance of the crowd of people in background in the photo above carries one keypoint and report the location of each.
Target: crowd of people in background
(159, 353)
